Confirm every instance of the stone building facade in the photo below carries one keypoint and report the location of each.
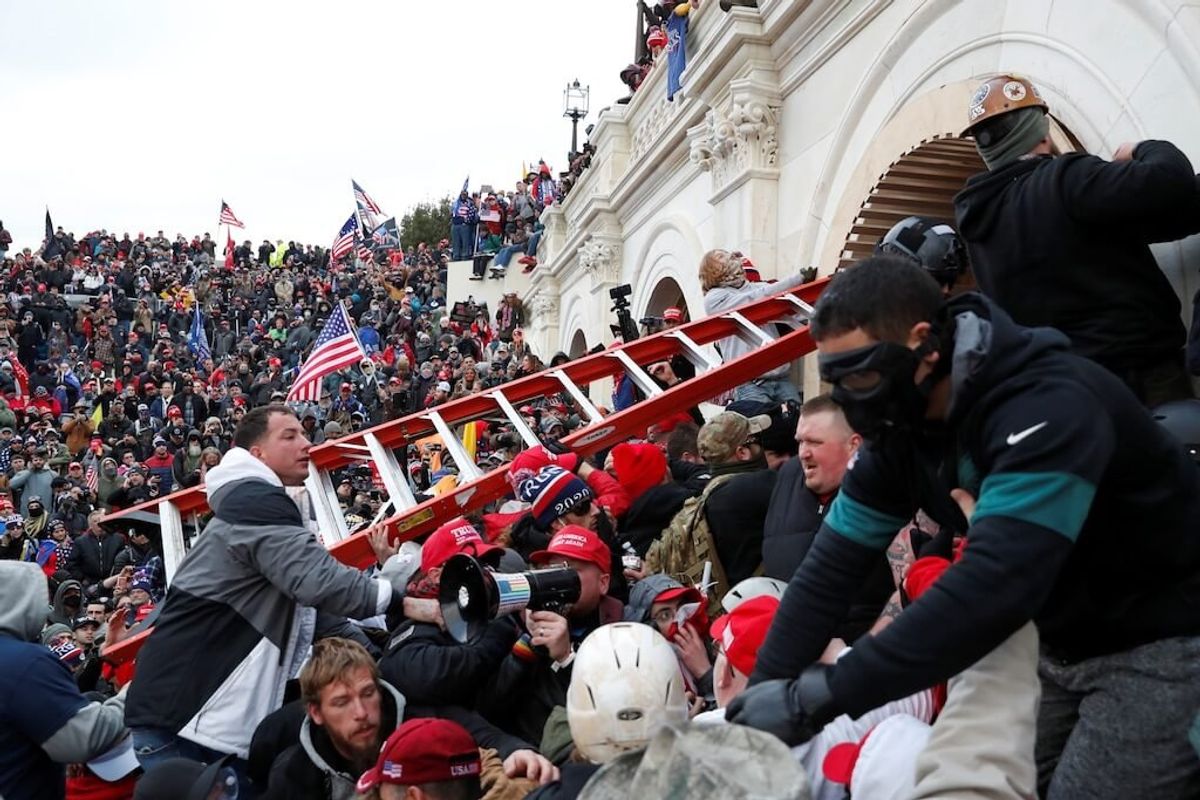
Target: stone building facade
(806, 127)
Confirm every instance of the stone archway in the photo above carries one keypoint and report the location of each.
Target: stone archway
(667, 293)
(579, 345)
(923, 182)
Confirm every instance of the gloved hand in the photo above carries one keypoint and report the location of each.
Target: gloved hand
(793, 710)
(940, 544)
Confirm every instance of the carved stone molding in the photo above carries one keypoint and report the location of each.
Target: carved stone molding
(544, 305)
(600, 260)
(741, 135)
(650, 130)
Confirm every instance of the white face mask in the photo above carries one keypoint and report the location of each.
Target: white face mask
(194, 449)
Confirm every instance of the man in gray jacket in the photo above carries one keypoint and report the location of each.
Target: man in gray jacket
(45, 723)
(35, 481)
(241, 611)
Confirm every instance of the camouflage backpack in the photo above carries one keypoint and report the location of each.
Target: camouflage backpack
(686, 545)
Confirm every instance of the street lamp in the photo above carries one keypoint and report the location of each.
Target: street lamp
(575, 108)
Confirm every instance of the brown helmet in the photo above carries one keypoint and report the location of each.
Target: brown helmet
(1000, 95)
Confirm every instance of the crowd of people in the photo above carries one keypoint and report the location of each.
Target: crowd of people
(969, 570)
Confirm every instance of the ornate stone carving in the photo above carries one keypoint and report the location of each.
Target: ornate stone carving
(545, 307)
(600, 258)
(730, 142)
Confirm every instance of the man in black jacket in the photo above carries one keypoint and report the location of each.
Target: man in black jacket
(1085, 523)
(425, 662)
(1063, 240)
(94, 555)
(803, 493)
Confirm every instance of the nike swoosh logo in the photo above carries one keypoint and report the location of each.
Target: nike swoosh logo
(1015, 438)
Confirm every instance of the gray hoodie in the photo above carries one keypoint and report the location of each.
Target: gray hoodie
(89, 729)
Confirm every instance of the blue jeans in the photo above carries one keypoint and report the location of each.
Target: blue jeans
(531, 245)
(506, 253)
(155, 745)
(461, 241)
(768, 390)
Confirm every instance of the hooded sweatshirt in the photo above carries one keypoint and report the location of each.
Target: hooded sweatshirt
(1070, 466)
(1064, 242)
(238, 616)
(60, 613)
(44, 722)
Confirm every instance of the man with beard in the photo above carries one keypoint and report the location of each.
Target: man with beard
(349, 711)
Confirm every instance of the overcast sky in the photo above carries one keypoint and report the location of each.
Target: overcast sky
(139, 115)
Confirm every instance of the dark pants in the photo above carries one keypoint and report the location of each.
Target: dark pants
(1116, 726)
(154, 745)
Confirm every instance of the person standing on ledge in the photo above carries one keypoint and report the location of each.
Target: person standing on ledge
(1064, 241)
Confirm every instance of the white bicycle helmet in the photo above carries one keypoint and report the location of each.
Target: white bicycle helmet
(752, 587)
(625, 685)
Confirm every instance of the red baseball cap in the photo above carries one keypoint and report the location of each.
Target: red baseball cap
(742, 631)
(672, 314)
(425, 750)
(576, 541)
(454, 537)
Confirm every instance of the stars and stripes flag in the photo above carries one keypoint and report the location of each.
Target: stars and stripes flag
(344, 242)
(364, 200)
(336, 348)
(363, 249)
(92, 477)
(228, 217)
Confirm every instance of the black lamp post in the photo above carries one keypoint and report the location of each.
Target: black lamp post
(575, 108)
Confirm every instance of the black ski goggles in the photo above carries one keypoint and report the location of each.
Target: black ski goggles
(865, 372)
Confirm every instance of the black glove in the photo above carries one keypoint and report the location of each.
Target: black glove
(940, 544)
(794, 711)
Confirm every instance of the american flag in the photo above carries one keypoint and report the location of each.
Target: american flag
(344, 242)
(364, 250)
(92, 477)
(364, 200)
(228, 218)
(336, 348)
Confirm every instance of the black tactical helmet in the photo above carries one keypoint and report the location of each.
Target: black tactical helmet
(934, 245)
(1182, 419)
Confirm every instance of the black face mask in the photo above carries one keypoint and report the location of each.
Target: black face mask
(875, 387)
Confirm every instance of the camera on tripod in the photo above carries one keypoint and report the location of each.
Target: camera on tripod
(625, 328)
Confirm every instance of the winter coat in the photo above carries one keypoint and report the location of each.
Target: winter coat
(651, 514)
(1065, 242)
(1046, 435)
(720, 299)
(92, 558)
(522, 693)
(793, 518)
(424, 661)
(250, 583)
(45, 723)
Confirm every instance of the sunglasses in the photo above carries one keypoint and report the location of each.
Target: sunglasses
(580, 509)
